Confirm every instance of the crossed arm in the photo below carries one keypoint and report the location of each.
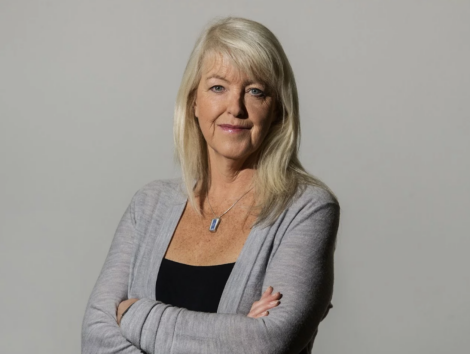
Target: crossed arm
(301, 269)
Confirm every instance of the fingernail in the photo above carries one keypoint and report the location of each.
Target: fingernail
(274, 302)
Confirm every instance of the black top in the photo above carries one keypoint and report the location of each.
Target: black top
(196, 288)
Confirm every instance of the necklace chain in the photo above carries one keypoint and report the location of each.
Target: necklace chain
(226, 211)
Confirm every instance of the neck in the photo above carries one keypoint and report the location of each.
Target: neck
(229, 179)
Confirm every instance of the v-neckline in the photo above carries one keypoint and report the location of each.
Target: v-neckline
(238, 278)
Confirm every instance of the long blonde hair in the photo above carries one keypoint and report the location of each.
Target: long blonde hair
(254, 50)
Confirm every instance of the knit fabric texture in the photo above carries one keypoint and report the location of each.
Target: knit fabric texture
(295, 256)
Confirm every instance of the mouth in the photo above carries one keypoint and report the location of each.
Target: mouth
(233, 128)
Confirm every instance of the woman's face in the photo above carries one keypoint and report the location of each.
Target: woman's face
(234, 112)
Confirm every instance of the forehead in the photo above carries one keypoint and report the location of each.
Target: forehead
(219, 65)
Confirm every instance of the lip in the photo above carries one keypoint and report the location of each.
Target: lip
(233, 128)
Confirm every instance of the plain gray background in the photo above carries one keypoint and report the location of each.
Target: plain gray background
(86, 106)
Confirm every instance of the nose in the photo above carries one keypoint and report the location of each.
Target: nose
(236, 105)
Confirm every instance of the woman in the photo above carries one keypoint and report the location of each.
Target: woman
(245, 213)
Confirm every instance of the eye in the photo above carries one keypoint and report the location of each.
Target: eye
(256, 92)
(217, 88)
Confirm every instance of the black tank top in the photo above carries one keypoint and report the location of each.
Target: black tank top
(196, 288)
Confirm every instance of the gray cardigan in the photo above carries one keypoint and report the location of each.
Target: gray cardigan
(294, 255)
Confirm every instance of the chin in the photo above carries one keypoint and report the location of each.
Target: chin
(233, 151)
(234, 155)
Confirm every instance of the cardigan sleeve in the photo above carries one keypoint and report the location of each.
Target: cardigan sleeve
(100, 331)
(301, 269)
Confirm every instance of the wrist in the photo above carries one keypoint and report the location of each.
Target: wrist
(127, 310)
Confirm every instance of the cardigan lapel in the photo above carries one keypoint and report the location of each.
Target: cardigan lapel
(240, 274)
(236, 283)
(162, 235)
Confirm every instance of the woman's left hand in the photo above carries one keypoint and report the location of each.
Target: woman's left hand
(123, 306)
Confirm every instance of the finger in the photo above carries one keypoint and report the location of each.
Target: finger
(262, 314)
(267, 292)
(257, 307)
(264, 306)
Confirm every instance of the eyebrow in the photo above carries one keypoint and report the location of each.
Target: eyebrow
(247, 82)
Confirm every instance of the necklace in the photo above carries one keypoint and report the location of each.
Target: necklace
(216, 220)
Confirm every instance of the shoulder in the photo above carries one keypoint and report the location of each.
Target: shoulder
(172, 187)
(308, 206)
(158, 194)
(313, 197)
(314, 216)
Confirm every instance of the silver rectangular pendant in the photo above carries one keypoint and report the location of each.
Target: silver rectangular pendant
(214, 224)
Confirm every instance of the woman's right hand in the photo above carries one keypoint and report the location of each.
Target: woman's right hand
(268, 301)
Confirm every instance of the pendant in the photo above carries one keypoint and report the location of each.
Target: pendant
(214, 224)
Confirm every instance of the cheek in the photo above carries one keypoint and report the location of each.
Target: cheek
(264, 120)
(207, 110)
(260, 135)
